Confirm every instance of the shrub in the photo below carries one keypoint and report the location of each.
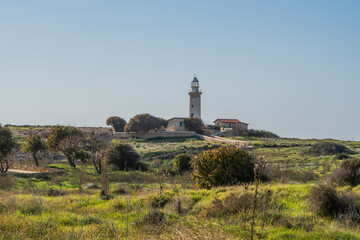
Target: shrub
(232, 204)
(117, 123)
(144, 123)
(341, 156)
(7, 182)
(347, 173)
(161, 201)
(222, 166)
(328, 148)
(326, 201)
(155, 217)
(181, 163)
(255, 133)
(92, 186)
(124, 157)
(194, 124)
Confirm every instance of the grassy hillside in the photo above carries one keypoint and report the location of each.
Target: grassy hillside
(152, 205)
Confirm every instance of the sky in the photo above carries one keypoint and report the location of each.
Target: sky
(290, 67)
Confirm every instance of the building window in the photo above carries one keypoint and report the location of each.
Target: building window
(192, 106)
(180, 124)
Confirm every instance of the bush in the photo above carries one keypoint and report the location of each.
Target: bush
(117, 123)
(124, 157)
(161, 201)
(181, 163)
(347, 173)
(7, 182)
(222, 166)
(326, 201)
(328, 148)
(155, 217)
(145, 123)
(341, 156)
(232, 204)
(194, 124)
(255, 133)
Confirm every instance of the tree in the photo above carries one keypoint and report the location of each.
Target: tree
(194, 124)
(96, 147)
(124, 157)
(117, 123)
(69, 141)
(181, 163)
(221, 167)
(145, 123)
(33, 145)
(7, 145)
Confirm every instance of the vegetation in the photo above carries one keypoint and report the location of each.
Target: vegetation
(194, 124)
(222, 167)
(33, 145)
(181, 163)
(145, 123)
(68, 140)
(255, 133)
(96, 148)
(7, 145)
(347, 173)
(117, 123)
(124, 157)
(328, 148)
(293, 204)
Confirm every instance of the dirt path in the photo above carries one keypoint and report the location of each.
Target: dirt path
(20, 171)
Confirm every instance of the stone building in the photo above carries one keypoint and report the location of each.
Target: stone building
(176, 124)
(231, 123)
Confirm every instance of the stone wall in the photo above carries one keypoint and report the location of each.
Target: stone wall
(236, 143)
(227, 133)
(148, 135)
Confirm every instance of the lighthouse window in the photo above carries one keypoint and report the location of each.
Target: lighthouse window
(192, 106)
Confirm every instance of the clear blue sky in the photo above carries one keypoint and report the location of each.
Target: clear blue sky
(291, 67)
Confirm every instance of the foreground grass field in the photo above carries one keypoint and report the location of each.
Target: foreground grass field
(150, 205)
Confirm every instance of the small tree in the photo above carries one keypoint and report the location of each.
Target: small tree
(68, 140)
(33, 145)
(7, 145)
(194, 124)
(124, 157)
(221, 167)
(144, 123)
(117, 123)
(181, 163)
(96, 147)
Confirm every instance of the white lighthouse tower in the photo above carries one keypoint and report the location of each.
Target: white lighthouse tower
(195, 99)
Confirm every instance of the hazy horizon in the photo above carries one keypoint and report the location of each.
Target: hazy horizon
(288, 67)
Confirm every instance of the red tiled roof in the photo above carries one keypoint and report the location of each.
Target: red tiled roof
(228, 120)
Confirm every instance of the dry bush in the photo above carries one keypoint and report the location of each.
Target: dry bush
(347, 173)
(326, 201)
(232, 204)
(7, 182)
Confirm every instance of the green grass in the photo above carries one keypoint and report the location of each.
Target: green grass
(28, 212)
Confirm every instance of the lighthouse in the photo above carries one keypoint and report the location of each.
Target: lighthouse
(195, 99)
